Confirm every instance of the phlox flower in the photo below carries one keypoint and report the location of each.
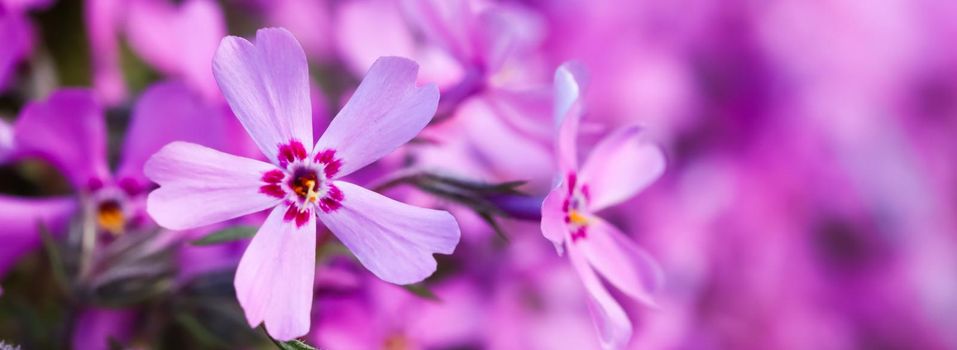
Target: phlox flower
(620, 165)
(68, 131)
(494, 87)
(267, 86)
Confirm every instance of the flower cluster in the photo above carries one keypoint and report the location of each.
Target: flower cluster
(477, 174)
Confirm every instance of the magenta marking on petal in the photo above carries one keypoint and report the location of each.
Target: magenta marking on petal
(302, 218)
(284, 156)
(274, 190)
(572, 179)
(325, 156)
(332, 165)
(333, 168)
(130, 186)
(586, 193)
(94, 184)
(291, 152)
(328, 205)
(336, 193)
(274, 176)
(297, 215)
(290, 213)
(298, 150)
(565, 205)
(333, 199)
(580, 233)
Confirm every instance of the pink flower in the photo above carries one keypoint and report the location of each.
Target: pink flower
(267, 86)
(619, 166)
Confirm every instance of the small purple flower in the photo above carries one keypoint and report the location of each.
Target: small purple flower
(267, 86)
(68, 131)
(619, 166)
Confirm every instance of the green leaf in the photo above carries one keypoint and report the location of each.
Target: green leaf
(294, 345)
(291, 345)
(288, 345)
(226, 235)
(421, 291)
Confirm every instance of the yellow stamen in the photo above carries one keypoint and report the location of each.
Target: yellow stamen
(396, 342)
(111, 219)
(311, 194)
(577, 218)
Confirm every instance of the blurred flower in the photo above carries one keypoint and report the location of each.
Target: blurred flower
(178, 39)
(619, 166)
(102, 18)
(96, 328)
(69, 132)
(20, 218)
(489, 120)
(376, 315)
(17, 39)
(201, 186)
(308, 20)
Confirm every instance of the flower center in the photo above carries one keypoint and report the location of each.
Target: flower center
(396, 341)
(109, 215)
(577, 218)
(575, 208)
(305, 184)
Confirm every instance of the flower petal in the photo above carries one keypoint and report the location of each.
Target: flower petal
(611, 321)
(102, 18)
(570, 83)
(505, 31)
(625, 265)
(201, 186)
(553, 217)
(620, 166)
(567, 141)
(367, 30)
(386, 111)
(449, 24)
(167, 112)
(177, 39)
(267, 86)
(95, 327)
(20, 220)
(394, 240)
(275, 276)
(505, 152)
(69, 131)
